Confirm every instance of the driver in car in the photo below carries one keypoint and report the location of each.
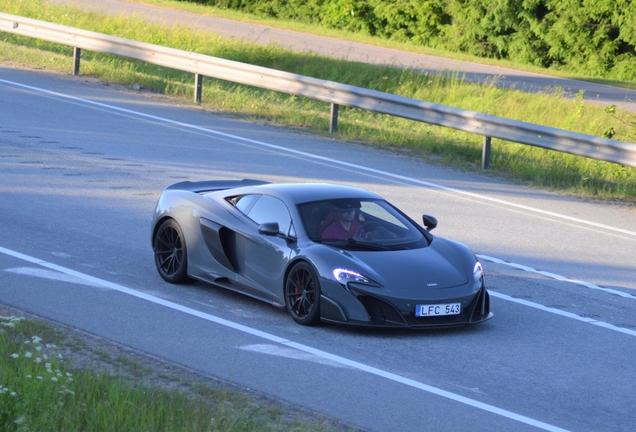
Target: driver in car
(341, 224)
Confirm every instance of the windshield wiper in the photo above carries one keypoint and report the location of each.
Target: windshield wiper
(365, 245)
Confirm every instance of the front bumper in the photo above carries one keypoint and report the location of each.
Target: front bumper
(382, 313)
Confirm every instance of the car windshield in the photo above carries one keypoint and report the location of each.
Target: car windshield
(360, 224)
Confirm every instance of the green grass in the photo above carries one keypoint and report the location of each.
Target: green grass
(42, 390)
(534, 166)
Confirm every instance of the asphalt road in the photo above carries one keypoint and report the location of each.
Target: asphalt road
(353, 51)
(82, 165)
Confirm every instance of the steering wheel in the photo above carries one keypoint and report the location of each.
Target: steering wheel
(370, 226)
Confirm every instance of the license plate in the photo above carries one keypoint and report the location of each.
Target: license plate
(437, 310)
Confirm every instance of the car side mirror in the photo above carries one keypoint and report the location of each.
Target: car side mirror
(430, 222)
(269, 228)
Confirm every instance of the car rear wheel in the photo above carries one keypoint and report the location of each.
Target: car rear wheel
(302, 294)
(171, 256)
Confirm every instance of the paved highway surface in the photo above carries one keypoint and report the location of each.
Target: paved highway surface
(353, 51)
(81, 167)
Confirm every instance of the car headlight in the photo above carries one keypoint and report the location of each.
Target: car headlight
(478, 276)
(345, 276)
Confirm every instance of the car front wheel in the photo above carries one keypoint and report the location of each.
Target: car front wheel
(302, 294)
(171, 256)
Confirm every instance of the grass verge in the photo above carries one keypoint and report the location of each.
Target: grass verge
(56, 379)
(534, 166)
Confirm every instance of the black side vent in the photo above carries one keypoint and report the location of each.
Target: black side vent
(380, 311)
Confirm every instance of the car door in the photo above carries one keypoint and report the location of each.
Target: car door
(263, 258)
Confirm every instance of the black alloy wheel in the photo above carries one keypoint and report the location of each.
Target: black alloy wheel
(171, 257)
(302, 294)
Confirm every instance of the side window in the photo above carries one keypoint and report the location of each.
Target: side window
(270, 209)
(245, 202)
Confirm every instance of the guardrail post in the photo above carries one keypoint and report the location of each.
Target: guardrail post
(333, 123)
(77, 53)
(485, 153)
(198, 82)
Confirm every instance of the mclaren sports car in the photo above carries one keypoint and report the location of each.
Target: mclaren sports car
(324, 252)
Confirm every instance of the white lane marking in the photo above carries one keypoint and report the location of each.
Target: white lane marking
(556, 276)
(287, 343)
(327, 160)
(562, 313)
(52, 275)
(323, 158)
(60, 254)
(291, 353)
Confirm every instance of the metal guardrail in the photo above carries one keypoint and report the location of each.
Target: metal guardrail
(334, 93)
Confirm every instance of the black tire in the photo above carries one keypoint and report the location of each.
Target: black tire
(302, 294)
(171, 257)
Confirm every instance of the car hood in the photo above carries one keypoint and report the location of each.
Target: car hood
(437, 266)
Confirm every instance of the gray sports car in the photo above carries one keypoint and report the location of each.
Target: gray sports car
(322, 251)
